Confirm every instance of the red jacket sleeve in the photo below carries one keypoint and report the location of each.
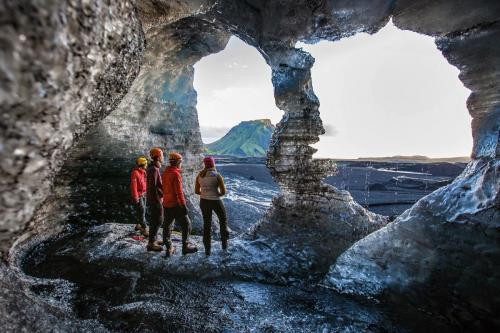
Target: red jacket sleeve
(178, 190)
(133, 186)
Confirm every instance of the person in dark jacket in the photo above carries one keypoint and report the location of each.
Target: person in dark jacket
(174, 205)
(210, 186)
(154, 197)
(138, 191)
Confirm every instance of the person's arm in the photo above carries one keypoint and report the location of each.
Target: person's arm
(133, 187)
(197, 186)
(181, 201)
(158, 184)
(222, 186)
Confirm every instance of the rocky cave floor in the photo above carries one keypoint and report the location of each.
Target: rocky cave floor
(115, 285)
(132, 295)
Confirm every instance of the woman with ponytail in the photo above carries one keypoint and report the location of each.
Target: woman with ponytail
(210, 186)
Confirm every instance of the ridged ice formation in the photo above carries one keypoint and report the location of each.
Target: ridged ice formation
(68, 65)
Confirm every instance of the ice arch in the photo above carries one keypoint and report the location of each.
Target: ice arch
(100, 52)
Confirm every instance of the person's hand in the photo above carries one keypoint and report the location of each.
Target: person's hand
(184, 210)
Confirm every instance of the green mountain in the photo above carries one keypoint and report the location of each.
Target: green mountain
(248, 138)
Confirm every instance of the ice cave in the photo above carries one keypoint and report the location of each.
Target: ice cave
(89, 85)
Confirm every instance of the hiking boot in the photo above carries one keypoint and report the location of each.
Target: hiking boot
(170, 250)
(142, 230)
(154, 247)
(159, 242)
(188, 248)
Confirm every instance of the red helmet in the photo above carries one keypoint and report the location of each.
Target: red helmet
(173, 156)
(155, 153)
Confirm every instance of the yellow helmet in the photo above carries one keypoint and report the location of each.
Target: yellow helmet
(141, 161)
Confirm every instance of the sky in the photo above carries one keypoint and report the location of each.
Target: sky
(391, 93)
(233, 85)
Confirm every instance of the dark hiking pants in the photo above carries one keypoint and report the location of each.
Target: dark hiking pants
(177, 214)
(140, 211)
(156, 221)
(207, 207)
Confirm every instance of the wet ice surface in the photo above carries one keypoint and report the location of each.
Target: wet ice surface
(129, 300)
(132, 301)
(250, 190)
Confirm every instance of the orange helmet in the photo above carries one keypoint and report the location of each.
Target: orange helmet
(174, 156)
(155, 153)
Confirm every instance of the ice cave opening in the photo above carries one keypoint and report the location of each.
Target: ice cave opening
(381, 127)
(233, 85)
(395, 116)
(237, 116)
(92, 85)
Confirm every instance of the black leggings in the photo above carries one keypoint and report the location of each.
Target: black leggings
(207, 207)
(177, 214)
(156, 221)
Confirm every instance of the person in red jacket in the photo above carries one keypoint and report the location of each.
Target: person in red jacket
(138, 191)
(154, 197)
(174, 205)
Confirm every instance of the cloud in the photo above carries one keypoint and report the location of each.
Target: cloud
(236, 65)
(330, 130)
(213, 131)
(229, 93)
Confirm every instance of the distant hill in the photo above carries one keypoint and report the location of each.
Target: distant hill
(248, 138)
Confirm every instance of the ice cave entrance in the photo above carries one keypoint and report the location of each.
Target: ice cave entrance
(390, 94)
(233, 85)
(237, 114)
(389, 99)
